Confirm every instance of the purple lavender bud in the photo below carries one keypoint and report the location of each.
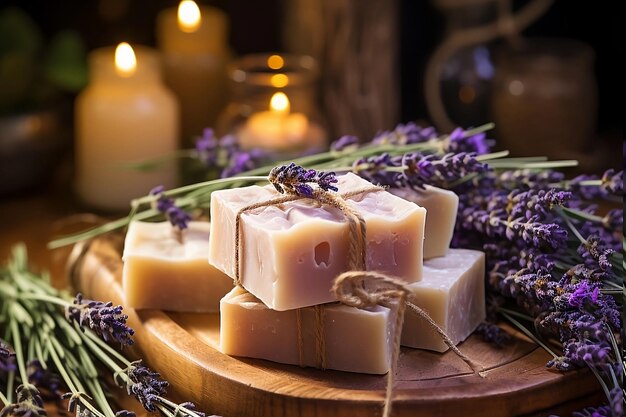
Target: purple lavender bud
(602, 411)
(405, 134)
(106, 321)
(28, 403)
(612, 182)
(595, 252)
(344, 142)
(492, 333)
(145, 384)
(207, 147)
(7, 357)
(177, 217)
(585, 352)
(584, 293)
(457, 142)
(295, 179)
(44, 378)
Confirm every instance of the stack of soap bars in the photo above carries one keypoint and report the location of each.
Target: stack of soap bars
(284, 259)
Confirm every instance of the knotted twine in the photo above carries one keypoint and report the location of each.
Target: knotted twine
(357, 287)
(363, 289)
(356, 253)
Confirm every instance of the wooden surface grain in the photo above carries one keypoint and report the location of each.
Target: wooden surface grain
(183, 348)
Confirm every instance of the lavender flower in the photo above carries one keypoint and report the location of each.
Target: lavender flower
(295, 179)
(405, 134)
(442, 171)
(240, 161)
(376, 169)
(44, 378)
(584, 293)
(105, 320)
(535, 205)
(165, 205)
(207, 148)
(533, 290)
(7, 357)
(29, 404)
(492, 333)
(581, 352)
(144, 384)
(458, 142)
(344, 142)
(602, 411)
(612, 182)
(594, 252)
(526, 179)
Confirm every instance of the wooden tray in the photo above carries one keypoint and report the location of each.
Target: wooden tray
(183, 348)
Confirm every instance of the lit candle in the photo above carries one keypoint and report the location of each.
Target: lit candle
(280, 130)
(193, 41)
(124, 115)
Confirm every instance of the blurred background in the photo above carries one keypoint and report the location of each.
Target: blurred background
(545, 72)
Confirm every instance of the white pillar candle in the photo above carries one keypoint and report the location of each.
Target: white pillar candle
(193, 41)
(124, 115)
(278, 129)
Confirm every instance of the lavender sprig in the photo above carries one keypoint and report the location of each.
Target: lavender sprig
(62, 345)
(105, 320)
(296, 179)
(177, 217)
(29, 403)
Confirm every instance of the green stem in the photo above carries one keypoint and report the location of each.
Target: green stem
(600, 380)
(106, 360)
(570, 225)
(100, 397)
(163, 409)
(4, 399)
(581, 215)
(60, 367)
(107, 348)
(528, 333)
(10, 385)
(105, 228)
(46, 298)
(174, 405)
(19, 354)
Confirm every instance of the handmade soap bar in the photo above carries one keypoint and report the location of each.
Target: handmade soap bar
(441, 206)
(291, 253)
(167, 271)
(453, 293)
(354, 340)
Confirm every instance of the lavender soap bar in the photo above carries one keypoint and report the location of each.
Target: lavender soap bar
(441, 207)
(453, 294)
(168, 270)
(291, 253)
(354, 340)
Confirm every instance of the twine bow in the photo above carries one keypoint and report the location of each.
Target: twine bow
(362, 289)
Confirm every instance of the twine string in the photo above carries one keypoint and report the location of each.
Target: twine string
(356, 252)
(363, 289)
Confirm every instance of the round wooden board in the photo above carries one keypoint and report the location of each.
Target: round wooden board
(183, 348)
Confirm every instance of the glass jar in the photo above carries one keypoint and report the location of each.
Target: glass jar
(273, 104)
(545, 98)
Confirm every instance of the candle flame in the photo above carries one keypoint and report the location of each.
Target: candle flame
(275, 62)
(189, 17)
(125, 60)
(279, 80)
(279, 103)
